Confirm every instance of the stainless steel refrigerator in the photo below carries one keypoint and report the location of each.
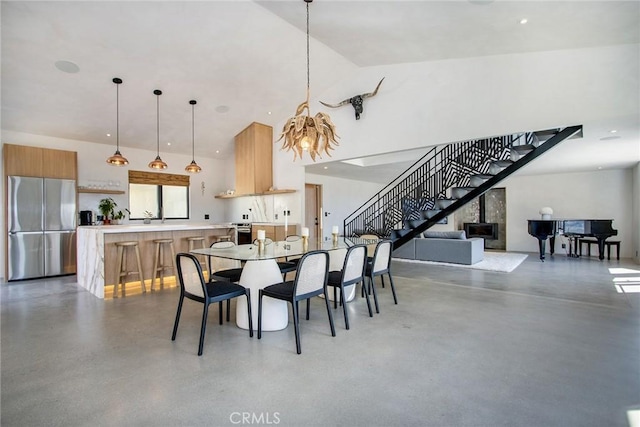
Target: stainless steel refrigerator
(42, 227)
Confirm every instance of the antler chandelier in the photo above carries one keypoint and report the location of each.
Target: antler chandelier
(305, 133)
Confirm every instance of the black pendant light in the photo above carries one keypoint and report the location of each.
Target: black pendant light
(193, 166)
(117, 159)
(158, 163)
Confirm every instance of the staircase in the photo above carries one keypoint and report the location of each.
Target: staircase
(445, 179)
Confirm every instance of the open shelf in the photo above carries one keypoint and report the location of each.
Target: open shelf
(266, 193)
(99, 191)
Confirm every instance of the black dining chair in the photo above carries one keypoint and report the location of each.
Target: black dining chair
(352, 273)
(310, 281)
(219, 270)
(379, 266)
(194, 287)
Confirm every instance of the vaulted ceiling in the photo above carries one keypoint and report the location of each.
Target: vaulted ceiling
(244, 61)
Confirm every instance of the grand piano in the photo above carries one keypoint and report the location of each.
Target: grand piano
(542, 229)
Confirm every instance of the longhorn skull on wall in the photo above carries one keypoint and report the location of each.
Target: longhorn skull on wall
(356, 101)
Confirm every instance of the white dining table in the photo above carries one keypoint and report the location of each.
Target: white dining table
(261, 270)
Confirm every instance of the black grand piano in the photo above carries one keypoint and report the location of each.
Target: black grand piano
(542, 229)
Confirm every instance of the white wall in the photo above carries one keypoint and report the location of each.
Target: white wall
(340, 198)
(605, 194)
(93, 169)
(446, 101)
(439, 102)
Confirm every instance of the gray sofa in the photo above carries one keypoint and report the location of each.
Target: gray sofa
(443, 246)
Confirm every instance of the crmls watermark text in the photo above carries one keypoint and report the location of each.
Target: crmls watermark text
(255, 418)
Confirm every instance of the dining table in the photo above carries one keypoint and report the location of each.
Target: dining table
(261, 270)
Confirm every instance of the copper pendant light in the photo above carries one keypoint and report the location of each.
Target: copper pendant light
(117, 159)
(193, 166)
(158, 163)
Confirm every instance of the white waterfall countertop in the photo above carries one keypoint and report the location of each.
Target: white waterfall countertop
(95, 243)
(141, 228)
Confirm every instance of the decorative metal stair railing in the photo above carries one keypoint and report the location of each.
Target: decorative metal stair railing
(445, 179)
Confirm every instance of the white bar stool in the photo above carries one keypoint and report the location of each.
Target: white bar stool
(158, 263)
(121, 270)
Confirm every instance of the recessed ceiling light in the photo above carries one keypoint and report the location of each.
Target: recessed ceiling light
(524, 21)
(222, 108)
(168, 143)
(67, 67)
(269, 112)
(599, 167)
(217, 151)
(108, 134)
(326, 167)
(613, 131)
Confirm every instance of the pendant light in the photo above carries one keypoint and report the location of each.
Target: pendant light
(158, 163)
(117, 159)
(305, 133)
(193, 166)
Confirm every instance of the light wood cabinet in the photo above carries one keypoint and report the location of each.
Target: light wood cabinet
(273, 232)
(39, 162)
(254, 158)
(21, 160)
(59, 164)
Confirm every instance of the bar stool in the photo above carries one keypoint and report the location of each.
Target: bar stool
(122, 271)
(226, 238)
(192, 244)
(158, 263)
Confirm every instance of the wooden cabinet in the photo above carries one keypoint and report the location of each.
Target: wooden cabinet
(254, 158)
(39, 162)
(273, 232)
(59, 164)
(20, 160)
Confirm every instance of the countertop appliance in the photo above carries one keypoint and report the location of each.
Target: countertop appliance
(86, 217)
(41, 226)
(244, 232)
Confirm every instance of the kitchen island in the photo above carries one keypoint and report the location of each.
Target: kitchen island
(96, 260)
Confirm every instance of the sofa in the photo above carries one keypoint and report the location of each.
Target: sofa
(443, 246)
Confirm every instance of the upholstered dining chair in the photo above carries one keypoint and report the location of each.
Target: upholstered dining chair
(224, 270)
(194, 287)
(370, 247)
(352, 273)
(379, 266)
(310, 281)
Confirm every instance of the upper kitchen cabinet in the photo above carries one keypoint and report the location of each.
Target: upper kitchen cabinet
(59, 164)
(254, 157)
(21, 160)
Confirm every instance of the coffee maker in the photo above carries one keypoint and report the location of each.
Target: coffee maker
(86, 217)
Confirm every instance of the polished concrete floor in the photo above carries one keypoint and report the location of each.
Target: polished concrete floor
(550, 344)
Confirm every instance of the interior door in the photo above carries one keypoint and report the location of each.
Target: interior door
(313, 209)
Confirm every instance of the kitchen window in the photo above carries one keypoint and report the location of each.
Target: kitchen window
(163, 195)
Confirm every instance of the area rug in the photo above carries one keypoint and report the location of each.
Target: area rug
(493, 261)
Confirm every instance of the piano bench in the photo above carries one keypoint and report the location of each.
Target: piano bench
(607, 244)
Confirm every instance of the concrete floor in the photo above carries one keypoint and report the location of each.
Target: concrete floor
(550, 344)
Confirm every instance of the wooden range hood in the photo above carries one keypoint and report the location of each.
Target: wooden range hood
(254, 163)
